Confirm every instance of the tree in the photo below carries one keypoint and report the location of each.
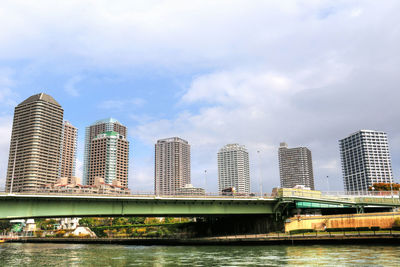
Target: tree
(384, 187)
(5, 225)
(136, 220)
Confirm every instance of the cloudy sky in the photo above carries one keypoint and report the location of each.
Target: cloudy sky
(212, 72)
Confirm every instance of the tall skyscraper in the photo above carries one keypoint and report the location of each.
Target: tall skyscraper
(68, 150)
(172, 165)
(365, 160)
(109, 158)
(91, 132)
(35, 144)
(295, 167)
(233, 168)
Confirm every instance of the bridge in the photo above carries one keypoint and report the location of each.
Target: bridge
(280, 203)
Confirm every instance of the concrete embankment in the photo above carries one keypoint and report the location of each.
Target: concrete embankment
(231, 240)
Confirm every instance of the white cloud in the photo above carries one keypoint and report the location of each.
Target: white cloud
(122, 104)
(70, 86)
(182, 35)
(305, 72)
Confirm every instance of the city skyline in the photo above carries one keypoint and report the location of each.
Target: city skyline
(304, 72)
(107, 155)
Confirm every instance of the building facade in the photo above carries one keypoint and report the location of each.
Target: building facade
(172, 165)
(68, 150)
(73, 186)
(109, 158)
(35, 144)
(295, 167)
(365, 160)
(233, 168)
(99, 127)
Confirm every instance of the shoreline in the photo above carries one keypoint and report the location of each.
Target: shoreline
(222, 241)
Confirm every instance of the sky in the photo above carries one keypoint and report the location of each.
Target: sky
(256, 73)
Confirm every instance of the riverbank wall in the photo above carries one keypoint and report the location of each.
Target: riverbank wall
(335, 239)
(383, 220)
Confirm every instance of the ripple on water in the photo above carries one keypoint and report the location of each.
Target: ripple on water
(14, 254)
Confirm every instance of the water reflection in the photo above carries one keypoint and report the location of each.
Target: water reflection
(20, 254)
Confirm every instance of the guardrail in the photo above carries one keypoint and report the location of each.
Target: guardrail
(359, 196)
(145, 194)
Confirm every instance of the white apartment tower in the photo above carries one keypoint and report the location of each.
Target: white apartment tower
(172, 165)
(295, 167)
(233, 168)
(365, 160)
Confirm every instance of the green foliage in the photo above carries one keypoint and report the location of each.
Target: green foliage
(5, 225)
(301, 231)
(345, 229)
(362, 228)
(136, 220)
(45, 224)
(168, 220)
(141, 230)
(396, 222)
(120, 221)
(88, 222)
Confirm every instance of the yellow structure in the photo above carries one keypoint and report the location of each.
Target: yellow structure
(320, 223)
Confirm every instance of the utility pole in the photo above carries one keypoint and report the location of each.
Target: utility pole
(327, 181)
(205, 181)
(13, 169)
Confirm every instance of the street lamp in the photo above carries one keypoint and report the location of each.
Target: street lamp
(327, 181)
(205, 181)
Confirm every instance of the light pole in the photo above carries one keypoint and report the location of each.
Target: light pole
(327, 181)
(205, 181)
(391, 187)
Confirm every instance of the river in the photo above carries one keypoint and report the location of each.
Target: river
(29, 254)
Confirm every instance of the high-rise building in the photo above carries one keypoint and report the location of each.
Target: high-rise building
(109, 158)
(99, 127)
(295, 167)
(106, 152)
(34, 158)
(233, 168)
(68, 150)
(172, 165)
(365, 160)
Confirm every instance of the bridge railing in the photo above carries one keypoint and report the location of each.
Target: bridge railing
(357, 196)
(149, 194)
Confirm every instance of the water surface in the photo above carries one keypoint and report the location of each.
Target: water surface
(29, 254)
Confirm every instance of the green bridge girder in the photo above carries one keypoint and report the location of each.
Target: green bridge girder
(19, 206)
(46, 206)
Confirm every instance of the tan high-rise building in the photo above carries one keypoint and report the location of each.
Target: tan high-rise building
(172, 165)
(68, 151)
(35, 144)
(99, 127)
(295, 167)
(109, 159)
